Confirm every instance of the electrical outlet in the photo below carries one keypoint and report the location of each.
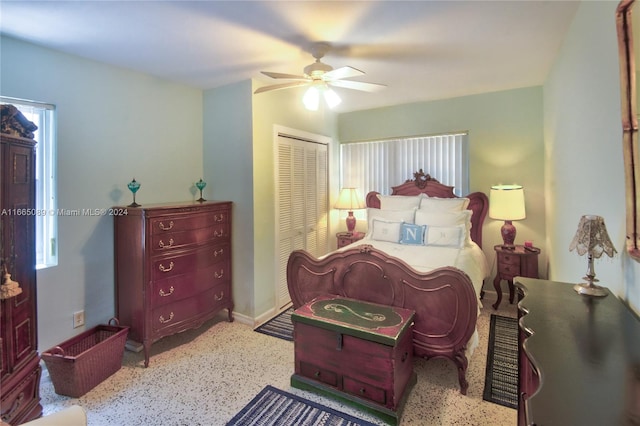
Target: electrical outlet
(78, 319)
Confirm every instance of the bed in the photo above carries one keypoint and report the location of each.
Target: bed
(444, 291)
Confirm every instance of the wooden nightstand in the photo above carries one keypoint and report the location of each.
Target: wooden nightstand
(345, 238)
(519, 261)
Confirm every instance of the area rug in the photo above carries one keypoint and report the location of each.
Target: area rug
(274, 407)
(279, 326)
(501, 380)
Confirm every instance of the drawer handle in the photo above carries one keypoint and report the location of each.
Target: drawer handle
(362, 391)
(163, 245)
(165, 228)
(404, 357)
(219, 298)
(164, 321)
(218, 218)
(218, 234)
(317, 374)
(163, 294)
(163, 269)
(217, 252)
(219, 275)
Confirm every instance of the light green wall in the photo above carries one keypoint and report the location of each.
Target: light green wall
(239, 159)
(282, 108)
(506, 146)
(228, 156)
(113, 125)
(583, 149)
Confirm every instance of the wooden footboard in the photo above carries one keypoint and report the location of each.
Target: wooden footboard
(444, 299)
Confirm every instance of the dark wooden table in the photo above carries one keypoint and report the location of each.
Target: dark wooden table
(579, 357)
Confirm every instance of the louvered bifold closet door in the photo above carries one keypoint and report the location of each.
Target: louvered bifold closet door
(302, 180)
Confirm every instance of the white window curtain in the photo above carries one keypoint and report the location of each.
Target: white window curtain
(379, 165)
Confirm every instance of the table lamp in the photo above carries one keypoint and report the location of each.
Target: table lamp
(592, 238)
(506, 202)
(349, 199)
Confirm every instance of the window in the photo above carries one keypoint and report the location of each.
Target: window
(379, 165)
(43, 116)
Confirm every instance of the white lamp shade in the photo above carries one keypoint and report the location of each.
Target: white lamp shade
(349, 199)
(506, 202)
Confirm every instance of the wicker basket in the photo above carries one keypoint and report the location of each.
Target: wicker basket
(79, 364)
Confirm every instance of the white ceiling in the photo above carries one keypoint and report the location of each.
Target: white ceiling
(422, 50)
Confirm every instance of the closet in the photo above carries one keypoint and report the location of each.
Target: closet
(302, 180)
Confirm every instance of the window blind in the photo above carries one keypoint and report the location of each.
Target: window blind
(379, 165)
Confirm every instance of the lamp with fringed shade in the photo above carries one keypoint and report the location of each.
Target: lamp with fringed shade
(592, 239)
(350, 199)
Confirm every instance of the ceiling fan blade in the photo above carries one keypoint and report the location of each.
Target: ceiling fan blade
(281, 86)
(358, 85)
(282, 75)
(343, 72)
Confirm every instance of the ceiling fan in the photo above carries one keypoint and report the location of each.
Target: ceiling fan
(319, 76)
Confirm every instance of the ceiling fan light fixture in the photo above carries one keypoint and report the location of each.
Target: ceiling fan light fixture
(319, 76)
(311, 98)
(331, 98)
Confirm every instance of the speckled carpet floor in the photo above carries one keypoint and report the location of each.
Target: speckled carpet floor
(206, 376)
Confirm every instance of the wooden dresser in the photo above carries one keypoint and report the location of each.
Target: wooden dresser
(19, 360)
(172, 267)
(579, 357)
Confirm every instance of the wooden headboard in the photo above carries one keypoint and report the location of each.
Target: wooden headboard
(424, 184)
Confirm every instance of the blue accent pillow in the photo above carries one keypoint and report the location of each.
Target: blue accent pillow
(412, 234)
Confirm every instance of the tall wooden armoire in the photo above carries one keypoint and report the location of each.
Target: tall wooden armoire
(20, 369)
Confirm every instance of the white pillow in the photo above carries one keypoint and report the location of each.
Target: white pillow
(444, 204)
(446, 236)
(390, 216)
(444, 218)
(385, 231)
(399, 202)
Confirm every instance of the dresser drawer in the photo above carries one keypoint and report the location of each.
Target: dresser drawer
(170, 266)
(162, 242)
(162, 225)
(508, 271)
(509, 259)
(343, 241)
(183, 286)
(318, 373)
(175, 314)
(364, 390)
(24, 396)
